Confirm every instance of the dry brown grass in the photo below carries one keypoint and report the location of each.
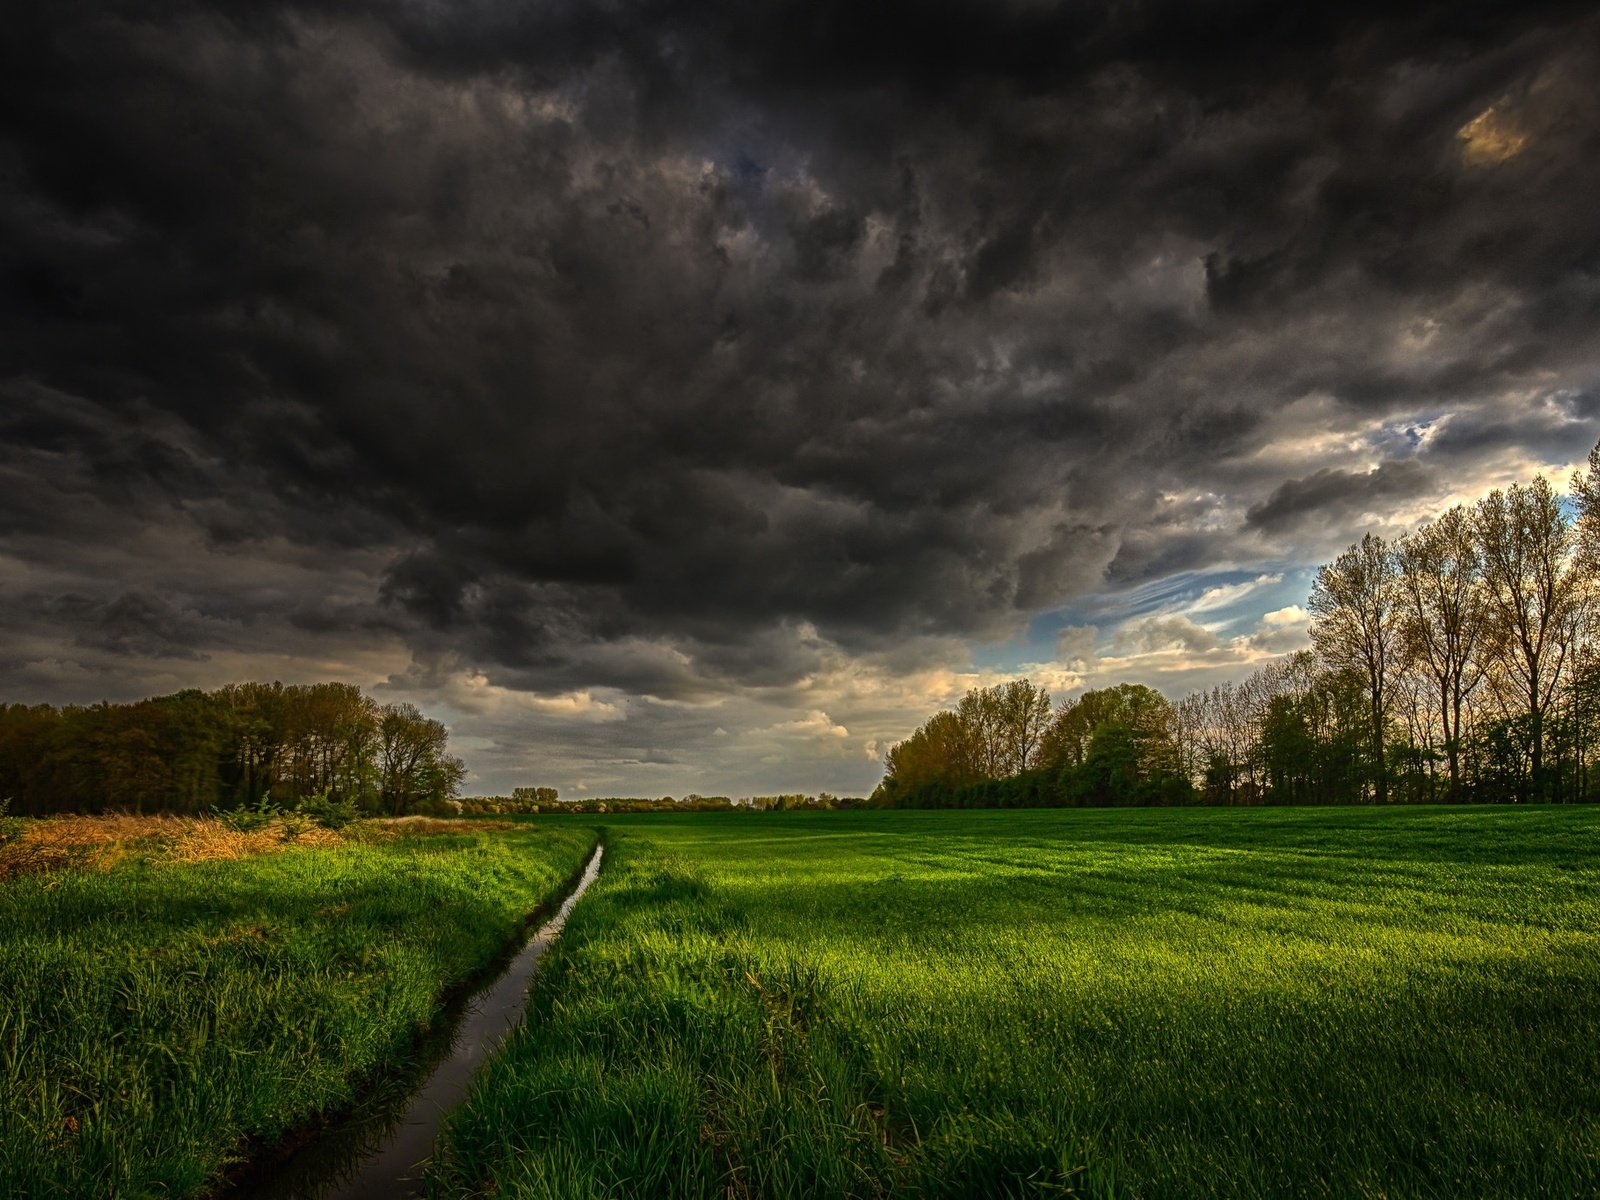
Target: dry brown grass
(56, 843)
(96, 843)
(421, 826)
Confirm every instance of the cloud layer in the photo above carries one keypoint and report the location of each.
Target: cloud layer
(683, 397)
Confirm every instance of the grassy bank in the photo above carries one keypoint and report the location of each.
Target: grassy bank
(1349, 1002)
(157, 1013)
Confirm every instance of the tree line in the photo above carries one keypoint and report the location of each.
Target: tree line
(194, 751)
(691, 803)
(1458, 662)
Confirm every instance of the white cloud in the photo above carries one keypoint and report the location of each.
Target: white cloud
(472, 692)
(1155, 635)
(814, 724)
(1226, 594)
(1075, 645)
(1292, 615)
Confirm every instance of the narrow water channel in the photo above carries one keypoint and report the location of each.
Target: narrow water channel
(377, 1151)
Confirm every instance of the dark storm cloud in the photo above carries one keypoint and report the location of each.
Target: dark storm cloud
(663, 347)
(136, 624)
(1549, 429)
(1338, 497)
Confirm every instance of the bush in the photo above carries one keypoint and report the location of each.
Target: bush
(328, 811)
(10, 827)
(244, 819)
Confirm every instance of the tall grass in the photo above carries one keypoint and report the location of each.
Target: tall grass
(159, 1018)
(1350, 1002)
(29, 846)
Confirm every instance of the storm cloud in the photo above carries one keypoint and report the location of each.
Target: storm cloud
(662, 389)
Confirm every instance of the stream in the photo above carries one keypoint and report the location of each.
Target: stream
(378, 1150)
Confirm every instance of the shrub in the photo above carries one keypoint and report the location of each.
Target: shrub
(10, 827)
(244, 818)
(329, 811)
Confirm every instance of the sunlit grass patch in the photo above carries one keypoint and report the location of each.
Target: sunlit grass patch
(166, 1012)
(1321, 1003)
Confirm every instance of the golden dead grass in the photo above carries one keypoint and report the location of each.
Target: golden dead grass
(55, 843)
(408, 826)
(96, 843)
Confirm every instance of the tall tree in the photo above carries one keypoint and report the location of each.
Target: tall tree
(412, 762)
(258, 714)
(1313, 733)
(1356, 615)
(1538, 593)
(1586, 498)
(1441, 584)
(1024, 715)
(1224, 738)
(1145, 712)
(936, 755)
(983, 729)
(1189, 719)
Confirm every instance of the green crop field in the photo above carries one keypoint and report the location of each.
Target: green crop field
(159, 1017)
(1337, 1002)
(1267, 1002)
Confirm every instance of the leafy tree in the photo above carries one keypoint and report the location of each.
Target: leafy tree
(1539, 595)
(1356, 626)
(1115, 745)
(1068, 740)
(1023, 715)
(412, 764)
(993, 733)
(1443, 624)
(194, 751)
(1312, 738)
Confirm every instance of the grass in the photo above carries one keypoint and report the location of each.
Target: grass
(30, 846)
(168, 1005)
(1307, 1002)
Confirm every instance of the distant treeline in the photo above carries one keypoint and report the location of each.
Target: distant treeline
(693, 802)
(1457, 663)
(194, 750)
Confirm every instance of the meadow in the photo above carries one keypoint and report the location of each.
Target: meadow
(1161, 1003)
(177, 996)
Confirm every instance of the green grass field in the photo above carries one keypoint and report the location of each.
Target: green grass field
(1334, 1002)
(155, 1015)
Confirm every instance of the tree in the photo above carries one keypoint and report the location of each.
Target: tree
(1023, 715)
(983, 732)
(1117, 743)
(936, 754)
(1538, 596)
(993, 733)
(1441, 583)
(413, 766)
(1226, 737)
(1356, 620)
(1189, 718)
(257, 717)
(1586, 499)
(330, 735)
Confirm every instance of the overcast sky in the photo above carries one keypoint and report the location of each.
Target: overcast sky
(693, 396)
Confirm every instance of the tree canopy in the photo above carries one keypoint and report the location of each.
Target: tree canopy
(194, 750)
